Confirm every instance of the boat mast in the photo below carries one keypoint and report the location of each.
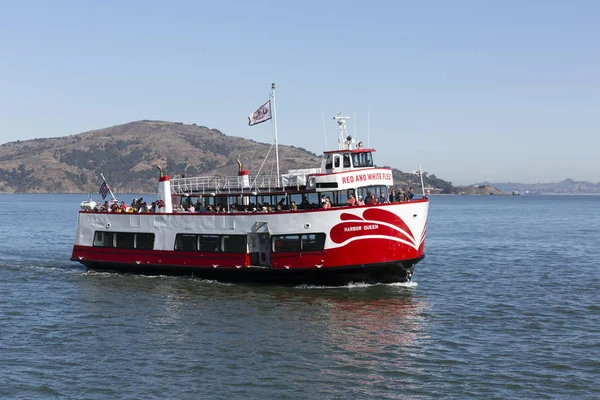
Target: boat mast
(275, 129)
(344, 141)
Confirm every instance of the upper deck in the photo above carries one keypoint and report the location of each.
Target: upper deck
(349, 167)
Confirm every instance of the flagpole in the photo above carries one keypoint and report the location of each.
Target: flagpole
(422, 185)
(109, 189)
(275, 129)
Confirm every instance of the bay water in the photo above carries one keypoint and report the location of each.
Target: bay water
(505, 305)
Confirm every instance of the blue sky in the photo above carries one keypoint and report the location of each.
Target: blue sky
(471, 90)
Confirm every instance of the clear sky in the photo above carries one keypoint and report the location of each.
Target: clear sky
(472, 90)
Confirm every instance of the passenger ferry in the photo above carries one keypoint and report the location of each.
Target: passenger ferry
(311, 235)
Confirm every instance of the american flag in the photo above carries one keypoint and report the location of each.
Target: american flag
(104, 189)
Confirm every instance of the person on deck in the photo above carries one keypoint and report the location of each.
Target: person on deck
(360, 201)
(372, 200)
(351, 200)
(327, 203)
(410, 193)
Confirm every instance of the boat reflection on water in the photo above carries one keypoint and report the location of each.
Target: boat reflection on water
(377, 323)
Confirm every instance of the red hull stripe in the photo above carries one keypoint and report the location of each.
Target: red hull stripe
(353, 253)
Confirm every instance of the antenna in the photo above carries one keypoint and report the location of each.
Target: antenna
(324, 130)
(354, 131)
(369, 130)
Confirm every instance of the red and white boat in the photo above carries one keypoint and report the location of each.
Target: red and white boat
(298, 242)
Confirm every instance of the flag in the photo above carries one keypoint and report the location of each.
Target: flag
(104, 189)
(416, 172)
(261, 115)
(160, 203)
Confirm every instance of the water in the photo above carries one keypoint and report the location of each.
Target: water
(505, 305)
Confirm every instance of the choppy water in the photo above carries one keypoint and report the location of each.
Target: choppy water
(505, 305)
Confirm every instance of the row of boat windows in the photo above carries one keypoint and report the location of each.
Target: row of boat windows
(124, 240)
(210, 243)
(348, 160)
(302, 201)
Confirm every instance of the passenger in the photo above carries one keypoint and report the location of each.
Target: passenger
(278, 208)
(351, 200)
(180, 209)
(411, 193)
(372, 200)
(382, 198)
(114, 207)
(323, 198)
(123, 206)
(152, 207)
(192, 209)
(360, 201)
(327, 204)
(293, 206)
(392, 196)
(399, 195)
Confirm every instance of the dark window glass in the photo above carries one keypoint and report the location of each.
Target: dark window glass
(346, 160)
(328, 162)
(103, 239)
(186, 242)
(125, 240)
(210, 243)
(313, 242)
(337, 161)
(144, 241)
(286, 243)
(234, 244)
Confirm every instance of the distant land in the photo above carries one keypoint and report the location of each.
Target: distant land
(127, 156)
(568, 186)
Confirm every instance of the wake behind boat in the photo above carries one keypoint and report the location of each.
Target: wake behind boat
(333, 225)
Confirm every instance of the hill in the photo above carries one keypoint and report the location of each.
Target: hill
(127, 155)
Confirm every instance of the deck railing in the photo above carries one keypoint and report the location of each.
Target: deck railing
(228, 184)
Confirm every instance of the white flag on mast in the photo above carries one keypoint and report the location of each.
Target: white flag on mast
(261, 115)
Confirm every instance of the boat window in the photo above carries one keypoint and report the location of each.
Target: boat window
(144, 241)
(186, 242)
(337, 161)
(210, 243)
(361, 160)
(125, 240)
(234, 243)
(346, 160)
(313, 242)
(328, 162)
(298, 243)
(103, 239)
(286, 243)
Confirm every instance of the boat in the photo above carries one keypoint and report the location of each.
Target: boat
(289, 229)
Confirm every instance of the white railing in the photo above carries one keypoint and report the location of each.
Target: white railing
(228, 184)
